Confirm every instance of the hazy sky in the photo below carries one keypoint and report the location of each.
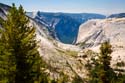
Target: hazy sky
(76, 6)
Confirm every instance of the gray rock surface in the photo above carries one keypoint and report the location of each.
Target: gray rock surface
(95, 32)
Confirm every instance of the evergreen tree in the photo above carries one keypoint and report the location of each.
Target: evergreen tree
(106, 73)
(20, 59)
(101, 72)
(7, 65)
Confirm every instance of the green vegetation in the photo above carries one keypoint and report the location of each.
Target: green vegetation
(20, 61)
(120, 64)
(106, 73)
(60, 51)
(71, 53)
(81, 44)
(100, 70)
(68, 52)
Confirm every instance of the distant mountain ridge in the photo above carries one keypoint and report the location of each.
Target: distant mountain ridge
(54, 53)
(3, 10)
(64, 26)
(119, 15)
(70, 59)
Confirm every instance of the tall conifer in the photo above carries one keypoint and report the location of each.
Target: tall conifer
(20, 58)
(101, 72)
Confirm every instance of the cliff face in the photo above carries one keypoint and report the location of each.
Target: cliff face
(97, 31)
(94, 32)
(63, 26)
(71, 59)
(58, 56)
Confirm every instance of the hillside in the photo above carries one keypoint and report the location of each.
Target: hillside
(120, 15)
(51, 28)
(63, 26)
(58, 56)
(94, 32)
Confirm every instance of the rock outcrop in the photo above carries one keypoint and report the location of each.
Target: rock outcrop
(58, 56)
(63, 26)
(94, 32)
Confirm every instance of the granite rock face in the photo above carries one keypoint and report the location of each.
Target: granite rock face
(71, 59)
(94, 32)
(58, 56)
(63, 26)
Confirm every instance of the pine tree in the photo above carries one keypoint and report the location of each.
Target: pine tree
(101, 72)
(19, 48)
(7, 66)
(106, 73)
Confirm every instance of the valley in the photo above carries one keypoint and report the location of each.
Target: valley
(68, 40)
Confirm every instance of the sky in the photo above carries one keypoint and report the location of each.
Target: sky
(71, 6)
